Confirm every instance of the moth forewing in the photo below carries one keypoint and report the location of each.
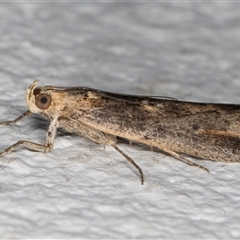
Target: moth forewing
(203, 130)
(209, 131)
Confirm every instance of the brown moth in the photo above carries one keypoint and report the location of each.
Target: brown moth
(204, 130)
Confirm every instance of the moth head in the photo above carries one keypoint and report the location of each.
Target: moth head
(36, 99)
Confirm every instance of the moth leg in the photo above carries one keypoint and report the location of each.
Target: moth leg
(27, 113)
(35, 146)
(183, 159)
(98, 137)
(111, 140)
(131, 161)
(27, 144)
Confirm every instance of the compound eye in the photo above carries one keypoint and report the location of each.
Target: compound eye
(43, 101)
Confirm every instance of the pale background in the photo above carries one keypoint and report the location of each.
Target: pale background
(189, 51)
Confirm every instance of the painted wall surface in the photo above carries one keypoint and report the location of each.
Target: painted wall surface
(184, 50)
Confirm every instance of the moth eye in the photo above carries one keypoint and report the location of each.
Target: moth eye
(43, 101)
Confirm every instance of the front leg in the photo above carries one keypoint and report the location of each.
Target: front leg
(51, 134)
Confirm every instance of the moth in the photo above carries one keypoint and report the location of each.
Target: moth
(202, 130)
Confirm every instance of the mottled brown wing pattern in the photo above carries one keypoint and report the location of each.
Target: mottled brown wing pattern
(199, 129)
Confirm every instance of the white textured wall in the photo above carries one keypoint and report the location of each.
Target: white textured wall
(185, 50)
